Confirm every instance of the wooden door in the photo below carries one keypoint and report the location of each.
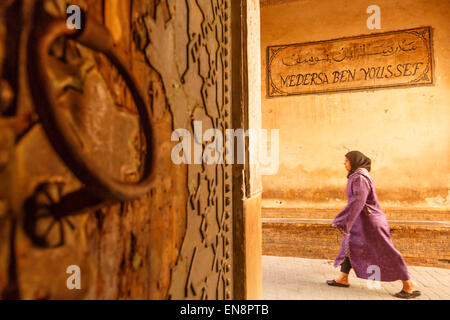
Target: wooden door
(175, 241)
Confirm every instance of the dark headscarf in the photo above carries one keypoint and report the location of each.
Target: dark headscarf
(357, 160)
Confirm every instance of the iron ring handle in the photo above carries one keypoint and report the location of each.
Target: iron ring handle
(45, 32)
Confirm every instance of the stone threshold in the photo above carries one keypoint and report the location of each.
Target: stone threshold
(444, 224)
(422, 243)
(339, 205)
(298, 210)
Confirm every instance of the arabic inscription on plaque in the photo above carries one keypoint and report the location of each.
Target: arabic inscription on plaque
(391, 59)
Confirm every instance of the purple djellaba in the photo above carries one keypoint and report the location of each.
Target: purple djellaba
(366, 242)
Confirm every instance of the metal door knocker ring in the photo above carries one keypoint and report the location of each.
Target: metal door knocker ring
(95, 36)
(48, 203)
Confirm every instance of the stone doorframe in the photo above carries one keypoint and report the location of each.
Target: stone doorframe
(113, 269)
(247, 228)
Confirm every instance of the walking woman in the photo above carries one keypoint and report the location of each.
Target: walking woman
(366, 243)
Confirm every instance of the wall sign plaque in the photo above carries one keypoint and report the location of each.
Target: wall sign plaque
(400, 58)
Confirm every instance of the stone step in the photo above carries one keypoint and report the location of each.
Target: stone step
(422, 243)
(410, 214)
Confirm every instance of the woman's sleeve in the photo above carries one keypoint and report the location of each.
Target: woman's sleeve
(359, 192)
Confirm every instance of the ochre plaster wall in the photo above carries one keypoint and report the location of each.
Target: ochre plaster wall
(404, 131)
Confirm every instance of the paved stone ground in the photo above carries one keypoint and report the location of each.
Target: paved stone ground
(289, 278)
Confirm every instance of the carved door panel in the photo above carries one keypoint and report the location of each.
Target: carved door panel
(175, 240)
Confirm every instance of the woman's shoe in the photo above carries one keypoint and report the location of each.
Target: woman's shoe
(405, 295)
(337, 284)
